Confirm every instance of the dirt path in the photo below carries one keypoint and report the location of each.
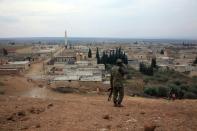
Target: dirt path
(79, 112)
(36, 68)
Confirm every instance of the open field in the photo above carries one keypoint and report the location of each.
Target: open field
(20, 48)
(25, 50)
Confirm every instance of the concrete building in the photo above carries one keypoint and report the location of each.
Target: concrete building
(14, 67)
(91, 78)
(164, 60)
(22, 65)
(9, 71)
(3, 60)
(184, 68)
(65, 59)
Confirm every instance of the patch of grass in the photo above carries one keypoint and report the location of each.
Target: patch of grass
(133, 73)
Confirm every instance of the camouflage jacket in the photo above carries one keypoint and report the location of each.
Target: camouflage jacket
(117, 76)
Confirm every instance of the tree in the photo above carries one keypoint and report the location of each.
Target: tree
(110, 58)
(146, 69)
(195, 61)
(97, 53)
(126, 60)
(153, 63)
(162, 52)
(89, 53)
(98, 56)
(5, 52)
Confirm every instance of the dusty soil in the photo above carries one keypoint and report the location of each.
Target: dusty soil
(193, 73)
(24, 50)
(15, 83)
(71, 111)
(78, 112)
(60, 112)
(35, 69)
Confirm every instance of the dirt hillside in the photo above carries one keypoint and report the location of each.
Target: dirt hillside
(78, 112)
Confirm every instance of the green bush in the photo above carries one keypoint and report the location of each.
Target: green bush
(184, 87)
(152, 91)
(174, 88)
(193, 89)
(162, 79)
(190, 95)
(177, 82)
(162, 91)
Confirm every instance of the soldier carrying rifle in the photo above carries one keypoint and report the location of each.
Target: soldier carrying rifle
(117, 78)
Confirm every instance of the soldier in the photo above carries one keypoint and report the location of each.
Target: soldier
(116, 81)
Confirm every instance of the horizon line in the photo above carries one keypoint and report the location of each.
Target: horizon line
(98, 37)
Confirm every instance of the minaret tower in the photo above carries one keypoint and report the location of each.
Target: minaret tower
(66, 41)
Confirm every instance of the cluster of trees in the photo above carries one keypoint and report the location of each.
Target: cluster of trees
(148, 69)
(110, 58)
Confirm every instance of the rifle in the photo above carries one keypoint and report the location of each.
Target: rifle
(110, 94)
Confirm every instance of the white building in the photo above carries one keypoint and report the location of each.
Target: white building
(91, 78)
(22, 65)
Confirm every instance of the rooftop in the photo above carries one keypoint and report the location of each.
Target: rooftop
(19, 62)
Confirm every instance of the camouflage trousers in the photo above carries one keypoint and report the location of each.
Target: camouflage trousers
(118, 95)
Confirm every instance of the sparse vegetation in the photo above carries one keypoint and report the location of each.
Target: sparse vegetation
(162, 82)
(180, 89)
(146, 69)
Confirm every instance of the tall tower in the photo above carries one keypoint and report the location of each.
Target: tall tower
(66, 41)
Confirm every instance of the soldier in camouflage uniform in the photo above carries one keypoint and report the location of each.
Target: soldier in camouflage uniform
(117, 78)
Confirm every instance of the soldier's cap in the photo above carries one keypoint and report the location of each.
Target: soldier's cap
(118, 61)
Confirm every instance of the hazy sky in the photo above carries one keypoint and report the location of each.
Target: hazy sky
(99, 18)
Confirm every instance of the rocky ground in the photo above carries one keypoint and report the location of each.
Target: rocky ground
(80, 112)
